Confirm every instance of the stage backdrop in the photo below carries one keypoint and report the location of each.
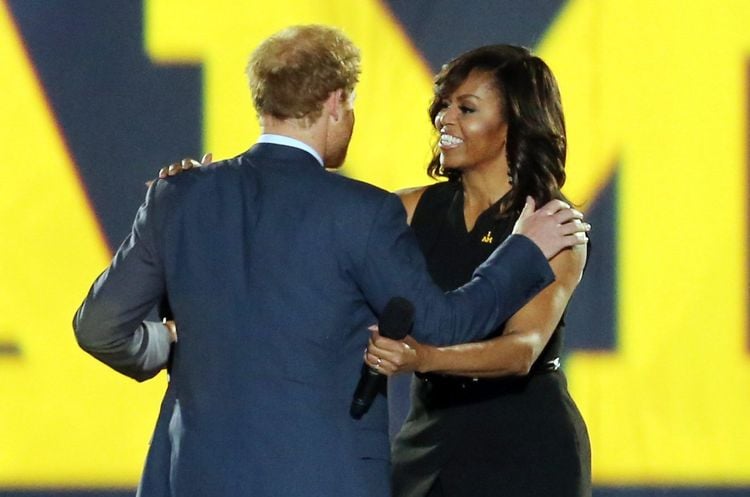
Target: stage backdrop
(96, 96)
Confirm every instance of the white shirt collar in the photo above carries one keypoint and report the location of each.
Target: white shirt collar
(290, 142)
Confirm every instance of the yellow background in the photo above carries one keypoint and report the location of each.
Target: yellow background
(659, 88)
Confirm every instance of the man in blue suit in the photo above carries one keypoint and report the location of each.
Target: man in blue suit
(274, 269)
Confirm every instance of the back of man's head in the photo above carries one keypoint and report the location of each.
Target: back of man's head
(293, 72)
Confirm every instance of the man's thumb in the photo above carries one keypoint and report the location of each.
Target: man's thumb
(528, 208)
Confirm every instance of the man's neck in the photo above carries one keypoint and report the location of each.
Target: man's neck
(313, 135)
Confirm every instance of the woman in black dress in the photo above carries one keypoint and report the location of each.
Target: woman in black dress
(491, 418)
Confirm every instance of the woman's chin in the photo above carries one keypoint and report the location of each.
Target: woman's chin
(451, 165)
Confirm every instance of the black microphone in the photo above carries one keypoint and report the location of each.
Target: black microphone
(395, 322)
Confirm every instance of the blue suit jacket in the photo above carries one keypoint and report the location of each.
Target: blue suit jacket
(274, 268)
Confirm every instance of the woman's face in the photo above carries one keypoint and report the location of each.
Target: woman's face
(472, 130)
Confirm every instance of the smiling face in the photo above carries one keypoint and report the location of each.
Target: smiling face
(472, 129)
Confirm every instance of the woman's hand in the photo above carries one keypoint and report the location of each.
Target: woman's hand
(171, 329)
(390, 357)
(184, 165)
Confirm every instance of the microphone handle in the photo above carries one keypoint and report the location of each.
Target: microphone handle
(367, 388)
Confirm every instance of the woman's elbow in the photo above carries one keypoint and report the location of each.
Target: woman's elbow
(523, 363)
(527, 350)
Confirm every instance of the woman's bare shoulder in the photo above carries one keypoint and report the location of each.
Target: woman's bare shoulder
(568, 265)
(410, 198)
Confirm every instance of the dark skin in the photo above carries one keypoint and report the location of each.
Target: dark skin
(184, 165)
(473, 138)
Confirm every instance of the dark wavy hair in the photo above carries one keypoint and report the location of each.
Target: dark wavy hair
(536, 142)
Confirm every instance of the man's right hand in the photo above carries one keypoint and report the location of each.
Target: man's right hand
(184, 165)
(553, 227)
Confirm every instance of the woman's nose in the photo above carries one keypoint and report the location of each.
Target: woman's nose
(443, 117)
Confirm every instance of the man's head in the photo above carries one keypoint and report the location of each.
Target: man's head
(296, 73)
(293, 72)
(301, 74)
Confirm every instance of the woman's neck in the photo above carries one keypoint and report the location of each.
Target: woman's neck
(482, 188)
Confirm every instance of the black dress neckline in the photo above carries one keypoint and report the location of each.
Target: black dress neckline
(451, 251)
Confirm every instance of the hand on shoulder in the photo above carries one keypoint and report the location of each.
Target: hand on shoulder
(184, 165)
(553, 227)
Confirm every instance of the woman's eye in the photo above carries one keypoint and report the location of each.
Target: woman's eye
(466, 110)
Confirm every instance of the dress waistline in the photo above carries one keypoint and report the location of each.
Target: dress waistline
(465, 388)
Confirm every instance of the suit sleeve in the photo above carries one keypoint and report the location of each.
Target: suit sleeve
(394, 266)
(109, 323)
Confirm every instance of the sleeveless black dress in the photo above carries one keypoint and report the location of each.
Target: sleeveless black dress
(509, 437)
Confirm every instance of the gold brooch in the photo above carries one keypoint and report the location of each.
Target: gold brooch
(487, 238)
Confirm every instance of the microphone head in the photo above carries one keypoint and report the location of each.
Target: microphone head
(397, 318)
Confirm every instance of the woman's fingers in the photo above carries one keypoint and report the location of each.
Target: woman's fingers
(165, 171)
(379, 364)
(389, 356)
(184, 165)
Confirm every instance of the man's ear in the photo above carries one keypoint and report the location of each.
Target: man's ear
(335, 104)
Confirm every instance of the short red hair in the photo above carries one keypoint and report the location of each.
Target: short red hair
(294, 71)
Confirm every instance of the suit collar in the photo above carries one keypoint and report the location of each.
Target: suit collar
(291, 142)
(277, 152)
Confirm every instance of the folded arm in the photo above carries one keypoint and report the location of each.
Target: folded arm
(109, 323)
(394, 266)
(513, 353)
